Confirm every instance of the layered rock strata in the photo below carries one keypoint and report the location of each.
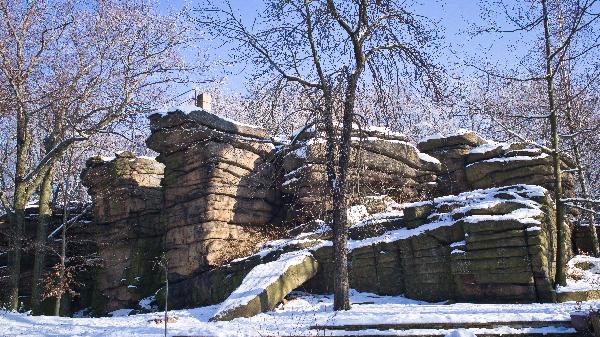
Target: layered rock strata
(127, 201)
(494, 245)
(451, 151)
(219, 188)
(501, 164)
(382, 163)
(491, 245)
(471, 162)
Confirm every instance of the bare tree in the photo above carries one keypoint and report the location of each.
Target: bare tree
(576, 131)
(328, 50)
(564, 36)
(77, 68)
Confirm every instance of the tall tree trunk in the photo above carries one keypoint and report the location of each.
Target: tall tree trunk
(341, 300)
(18, 224)
(583, 184)
(20, 200)
(45, 214)
(340, 196)
(561, 276)
(63, 254)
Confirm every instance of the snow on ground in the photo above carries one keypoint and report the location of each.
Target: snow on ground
(356, 213)
(296, 317)
(460, 333)
(583, 274)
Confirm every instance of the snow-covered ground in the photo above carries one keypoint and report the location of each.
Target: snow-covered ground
(297, 317)
(583, 274)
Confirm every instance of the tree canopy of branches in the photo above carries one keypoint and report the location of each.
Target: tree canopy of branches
(70, 70)
(564, 65)
(328, 51)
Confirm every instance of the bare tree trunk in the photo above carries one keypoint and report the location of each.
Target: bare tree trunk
(20, 200)
(61, 274)
(341, 300)
(166, 267)
(45, 214)
(63, 252)
(586, 195)
(561, 277)
(18, 220)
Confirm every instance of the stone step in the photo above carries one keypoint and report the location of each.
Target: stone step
(446, 325)
(427, 333)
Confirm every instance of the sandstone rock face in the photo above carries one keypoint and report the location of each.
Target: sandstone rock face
(128, 230)
(382, 163)
(452, 151)
(471, 162)
(500, 164)
(267, 284)
(494, 245)
(219, 188)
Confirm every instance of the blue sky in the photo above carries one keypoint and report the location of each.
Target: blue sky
(454, 17)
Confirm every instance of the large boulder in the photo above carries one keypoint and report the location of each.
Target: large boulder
(451, 150)
(267, 284)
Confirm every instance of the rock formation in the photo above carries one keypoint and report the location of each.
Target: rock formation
(487, 245)
(219, 192)
(452, 151)
(267, 284)
(383, 163)
(453, 218)
(127, 210)
(471, 162)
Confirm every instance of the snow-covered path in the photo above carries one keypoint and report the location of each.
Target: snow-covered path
(295, 318)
